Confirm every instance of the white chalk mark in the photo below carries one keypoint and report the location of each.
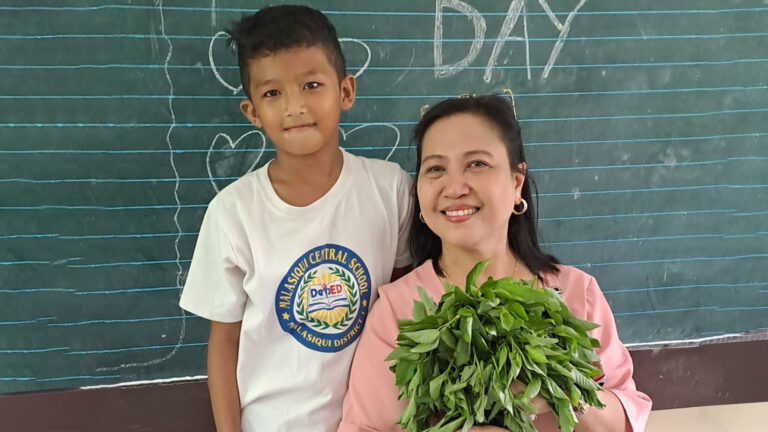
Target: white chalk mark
(344, 134)
(513, 14)
(146, 382)
(213, 65)
(443, 71)
(367, 50)
(232, 145)
(406, 70)
(683, 343)
(527, 51)
(180, 270)
(213, 14)
(564, 29)
(552, 16)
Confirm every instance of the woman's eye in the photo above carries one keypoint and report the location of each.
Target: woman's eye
(477, 164)
(271, 93)
(434, 169)
(312, 85)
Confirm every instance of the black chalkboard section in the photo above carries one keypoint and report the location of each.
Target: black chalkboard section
(645, 123)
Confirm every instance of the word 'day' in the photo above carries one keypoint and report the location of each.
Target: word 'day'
(515, 11)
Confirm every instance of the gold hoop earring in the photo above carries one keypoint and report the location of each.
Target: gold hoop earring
(519, 212)
(421, 218)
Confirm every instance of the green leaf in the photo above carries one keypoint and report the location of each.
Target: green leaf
(475, 272)
(535, 354)
(452, 387)
(532, 389)
(468, 423)
(434, 387)
(566, 418)
(448, 338)
(419, 311)
(451, 427)
(427, 300)
(462, 297)
(462, 353)
(401, 352)
(425, 347)
(518, 309)
(423, 336)
(404, 371)
(554, 389)
(507, 320)
(466, 328)
(575, 394)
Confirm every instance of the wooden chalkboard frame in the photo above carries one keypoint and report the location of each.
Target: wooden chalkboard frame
(710, 374)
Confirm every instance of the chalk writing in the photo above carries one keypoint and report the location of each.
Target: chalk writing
(516, 10)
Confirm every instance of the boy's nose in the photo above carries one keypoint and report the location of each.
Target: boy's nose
(295, 104)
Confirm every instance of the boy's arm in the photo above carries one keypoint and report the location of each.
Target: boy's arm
(223, 343)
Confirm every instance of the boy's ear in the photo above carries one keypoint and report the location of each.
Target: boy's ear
(249, 111)
(348, 89)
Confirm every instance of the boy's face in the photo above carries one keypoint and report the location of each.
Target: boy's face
(297, 99)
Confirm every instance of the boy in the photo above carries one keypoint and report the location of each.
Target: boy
(289, 256)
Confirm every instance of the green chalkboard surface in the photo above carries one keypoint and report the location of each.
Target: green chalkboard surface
(646, 125)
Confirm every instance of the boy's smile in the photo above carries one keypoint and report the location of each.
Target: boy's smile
(296, 97)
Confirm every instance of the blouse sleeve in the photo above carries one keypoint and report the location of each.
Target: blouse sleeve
(371, 401)
(615, 359)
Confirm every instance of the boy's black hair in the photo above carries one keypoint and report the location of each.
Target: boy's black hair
(278, 28)
(521, 232)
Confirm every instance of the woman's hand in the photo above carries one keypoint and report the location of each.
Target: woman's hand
(537, 401)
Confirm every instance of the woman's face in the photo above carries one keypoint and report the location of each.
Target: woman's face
(466, 188)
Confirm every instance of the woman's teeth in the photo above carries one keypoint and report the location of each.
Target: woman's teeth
(463, 212)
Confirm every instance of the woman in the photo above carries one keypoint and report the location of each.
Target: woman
(473, 202)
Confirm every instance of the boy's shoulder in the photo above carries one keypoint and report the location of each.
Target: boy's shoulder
(240, 193)
(377, 168)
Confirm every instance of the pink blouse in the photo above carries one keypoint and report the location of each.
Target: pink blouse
(371, 401)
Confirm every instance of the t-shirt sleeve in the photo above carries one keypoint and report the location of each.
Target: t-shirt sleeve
(214, 286)
(615, 359)
(371, 401)
(404, 210)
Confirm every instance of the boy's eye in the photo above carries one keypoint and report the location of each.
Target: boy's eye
(271, 93)
(312, 85)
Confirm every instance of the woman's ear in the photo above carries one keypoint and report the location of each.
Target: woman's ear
(249, 111)
(518, 177)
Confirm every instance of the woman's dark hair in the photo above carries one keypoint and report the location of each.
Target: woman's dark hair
(521, 234)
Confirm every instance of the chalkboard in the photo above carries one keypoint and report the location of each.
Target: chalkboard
(645, 124)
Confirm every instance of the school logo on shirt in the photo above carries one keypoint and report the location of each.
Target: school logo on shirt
(323, 299)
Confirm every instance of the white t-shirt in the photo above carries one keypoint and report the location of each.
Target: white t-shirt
(301, 280)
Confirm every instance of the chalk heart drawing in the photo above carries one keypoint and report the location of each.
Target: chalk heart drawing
(236, 89)
(345, 41)
(226, 158)
(215, 69)
(369, 126)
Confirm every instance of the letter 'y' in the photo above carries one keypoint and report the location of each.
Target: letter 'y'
(564, 29)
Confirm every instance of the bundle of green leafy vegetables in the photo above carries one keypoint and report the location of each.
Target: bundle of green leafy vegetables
(455, 360)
